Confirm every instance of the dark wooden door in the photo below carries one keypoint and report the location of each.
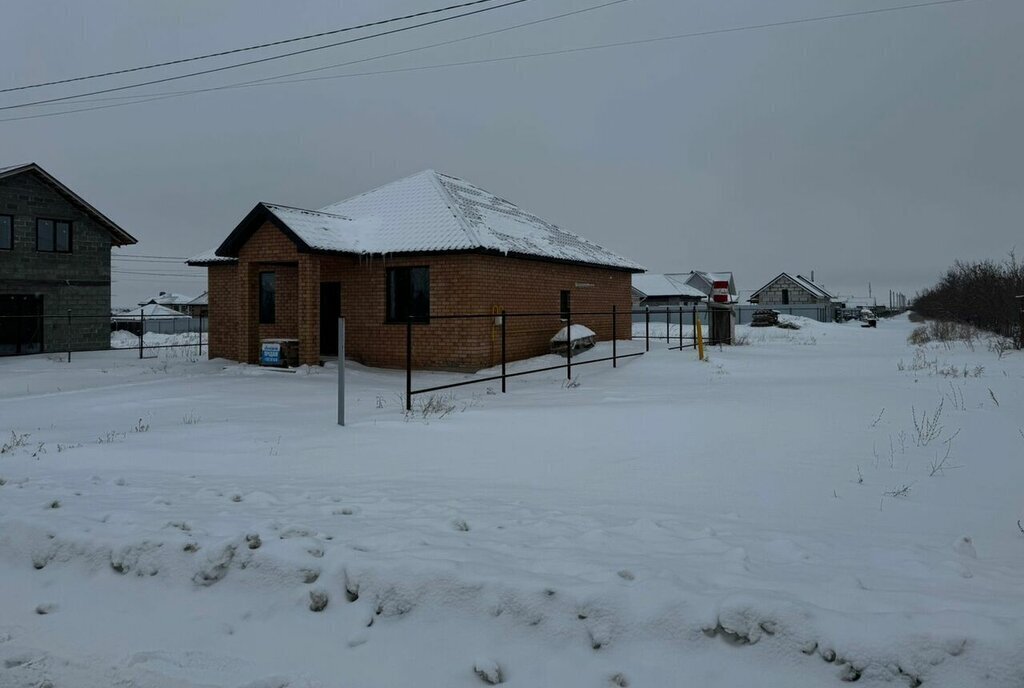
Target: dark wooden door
(330, 311)
(21, 324)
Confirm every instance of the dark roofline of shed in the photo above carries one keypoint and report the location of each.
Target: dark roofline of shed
(120, 236)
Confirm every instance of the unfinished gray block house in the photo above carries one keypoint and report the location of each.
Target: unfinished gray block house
(54, 257)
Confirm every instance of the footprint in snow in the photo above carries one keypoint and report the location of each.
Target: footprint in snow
(46, 608)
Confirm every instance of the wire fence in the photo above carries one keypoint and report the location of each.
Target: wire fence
(35, 333)
(523, 335)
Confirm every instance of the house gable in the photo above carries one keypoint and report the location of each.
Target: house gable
(796, 289)
(118, 237)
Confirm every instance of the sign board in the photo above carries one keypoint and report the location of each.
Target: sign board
(720, 291)
(270, 354)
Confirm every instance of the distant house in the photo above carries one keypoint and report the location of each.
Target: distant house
(194, 306)
(704, 281)
(788, 290)
(54, 258)
(411, 251)
(170, 300)
(151, 317)
(660, 291)
(199, 307)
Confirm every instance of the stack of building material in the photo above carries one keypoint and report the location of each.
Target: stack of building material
(765, 317)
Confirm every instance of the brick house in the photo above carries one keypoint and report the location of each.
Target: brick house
(416, 249)
(54, 257)
(786, 290)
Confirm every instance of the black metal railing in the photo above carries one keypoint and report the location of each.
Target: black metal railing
(34, 333)
(676, 341)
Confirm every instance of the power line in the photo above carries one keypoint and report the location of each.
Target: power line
(282, 79)
(259, 46)
(265, 59)
(143, 255)
(130, 260)
(155, 274)
(260, 81)
(139, 99)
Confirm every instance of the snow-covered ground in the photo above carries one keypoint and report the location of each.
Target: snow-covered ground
(769, 518)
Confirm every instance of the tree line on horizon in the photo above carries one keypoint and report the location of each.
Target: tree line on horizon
(980, 293)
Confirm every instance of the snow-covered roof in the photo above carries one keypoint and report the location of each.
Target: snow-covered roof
(166, 298)
(650, 284)
(709, 277)
(813, 287)
(201, 300)
(327, 231)
(425, 213)
(210, 257)
(150, 310)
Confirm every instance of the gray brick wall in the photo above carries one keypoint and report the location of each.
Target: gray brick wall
(772, 294)
(79, 280)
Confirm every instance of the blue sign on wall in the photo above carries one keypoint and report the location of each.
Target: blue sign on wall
(270, 354)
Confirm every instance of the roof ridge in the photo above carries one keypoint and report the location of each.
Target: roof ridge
(470, 231)
(380, 186)
(304, 210)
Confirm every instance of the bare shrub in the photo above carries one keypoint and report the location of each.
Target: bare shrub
(920, 336)
(435, 406)
(1000, 346)
(17, 440)
(928, 427)
(939, 465)
(899, 491)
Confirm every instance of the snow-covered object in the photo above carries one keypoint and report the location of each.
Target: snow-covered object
(578, 332)
(150, 310)
(488, 671)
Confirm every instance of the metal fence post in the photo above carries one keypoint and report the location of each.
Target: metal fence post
(142, 328)
(668, 324)
(647, 328)
(614, 338)
(568, 343)
(680, 327)
(693, 323)
(408, 364)
(200, 335)
(503, 351)
(341, 371)
(69, 335)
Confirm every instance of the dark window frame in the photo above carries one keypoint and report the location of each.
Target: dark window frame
(53, 236)
(565, 304)
(785, 297)
(267, 314)
(10, 230)
(392, 314)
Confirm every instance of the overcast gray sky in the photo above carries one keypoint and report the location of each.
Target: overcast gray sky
(875, 148)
